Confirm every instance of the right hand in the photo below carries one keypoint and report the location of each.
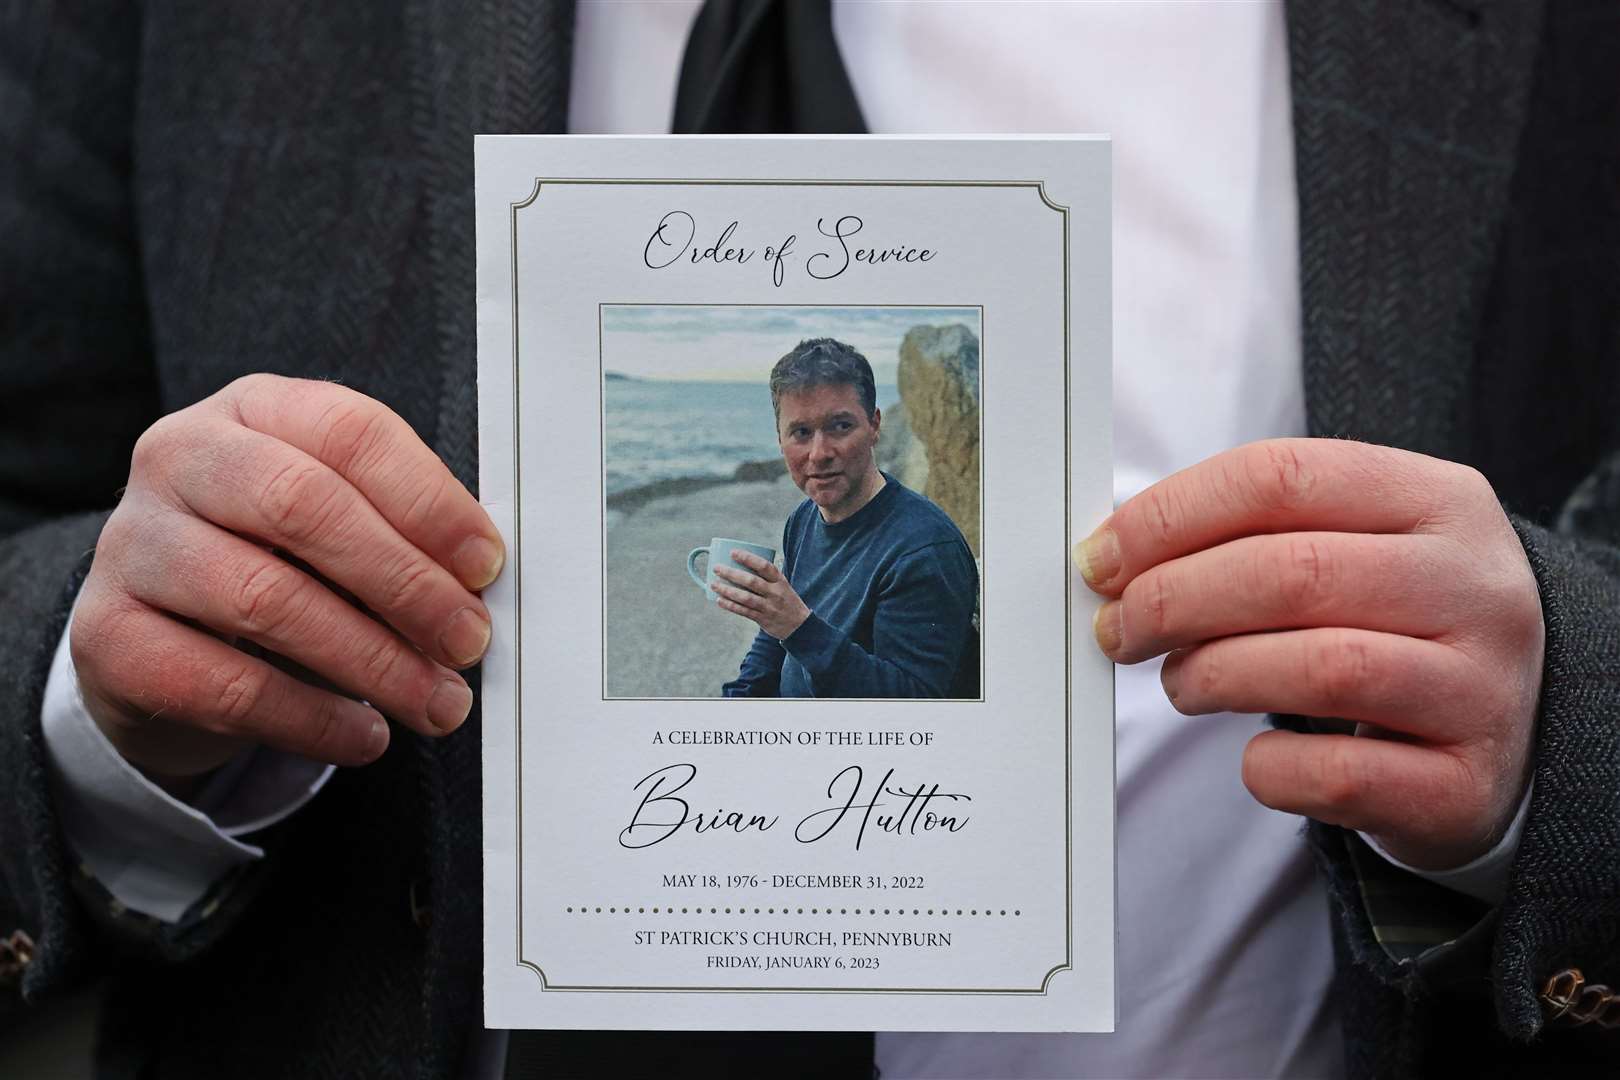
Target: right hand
(188, 564)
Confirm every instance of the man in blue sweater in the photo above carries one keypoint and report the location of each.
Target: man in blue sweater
(878, 590)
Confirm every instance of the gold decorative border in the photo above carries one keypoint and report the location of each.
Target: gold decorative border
(1039, 187)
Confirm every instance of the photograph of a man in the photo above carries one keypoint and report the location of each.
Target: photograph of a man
(878, 588)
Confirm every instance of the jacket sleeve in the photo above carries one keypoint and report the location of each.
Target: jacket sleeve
(76, 389)
(761, 671)
(1563, 901)
(1409, 948)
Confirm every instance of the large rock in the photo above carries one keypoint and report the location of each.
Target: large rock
(939, 388)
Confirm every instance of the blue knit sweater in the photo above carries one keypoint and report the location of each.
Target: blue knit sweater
(891, 591)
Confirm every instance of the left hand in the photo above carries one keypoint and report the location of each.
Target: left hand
(1339, 579)
(764, 595)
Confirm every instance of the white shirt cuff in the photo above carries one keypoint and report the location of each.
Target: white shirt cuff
(1485, 878)
(154, 853)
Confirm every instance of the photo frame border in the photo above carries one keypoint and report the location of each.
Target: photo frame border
(1067, 963)
(601, 376)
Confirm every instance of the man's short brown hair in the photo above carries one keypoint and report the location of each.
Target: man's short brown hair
(823, 362)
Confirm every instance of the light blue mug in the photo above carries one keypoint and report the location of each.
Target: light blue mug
(719, 553)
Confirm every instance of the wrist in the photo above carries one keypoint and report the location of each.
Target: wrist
(792, 627)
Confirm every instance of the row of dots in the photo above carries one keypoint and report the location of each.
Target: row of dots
(791, 911)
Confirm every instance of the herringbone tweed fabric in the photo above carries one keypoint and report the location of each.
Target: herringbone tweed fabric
(191, 192)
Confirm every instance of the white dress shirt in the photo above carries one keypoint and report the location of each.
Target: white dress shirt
(1224, 956)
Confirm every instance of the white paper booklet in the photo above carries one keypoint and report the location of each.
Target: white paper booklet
(792, 719)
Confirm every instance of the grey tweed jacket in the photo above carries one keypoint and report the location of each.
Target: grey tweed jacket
(192, 191)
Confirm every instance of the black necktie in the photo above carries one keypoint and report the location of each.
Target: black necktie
(765, 67)
(751, 67)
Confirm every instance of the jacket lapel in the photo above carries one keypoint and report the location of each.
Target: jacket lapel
(489, 68)
(1407, 119)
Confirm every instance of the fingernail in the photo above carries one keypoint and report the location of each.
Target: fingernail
(465, 637)
(1170, 674)
(478, 562)
(449, 705)
(1098, 556)
(1109, 627)
(378, 740)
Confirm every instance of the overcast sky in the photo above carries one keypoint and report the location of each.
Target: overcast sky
(741, 343)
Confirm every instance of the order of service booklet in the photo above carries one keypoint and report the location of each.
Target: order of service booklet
(792, 719)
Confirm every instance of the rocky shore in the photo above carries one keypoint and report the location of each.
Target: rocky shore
(639, 496)
(664, 636)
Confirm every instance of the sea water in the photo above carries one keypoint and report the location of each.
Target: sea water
(660, 430)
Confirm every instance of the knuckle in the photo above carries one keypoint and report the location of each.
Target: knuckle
(1156, 600)
(252, 384)
(1338, 670)
(299, 499)
(383, 664)
(157, 445)
(121, 533)
(1159, 514)
(148, 448)
(1276, 476)
(235, 694)
(1308, 575)
(1477, 483)
(353, 428)
(324, 735)
(140, 554)
(408, 586)
(246, 393)
(268, 599)
(1208, 674)
(1340, 774)
(426, 504)
(1471, 782)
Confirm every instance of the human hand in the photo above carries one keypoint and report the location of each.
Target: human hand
(764, 595)
(1339, 579)
(183, 569)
